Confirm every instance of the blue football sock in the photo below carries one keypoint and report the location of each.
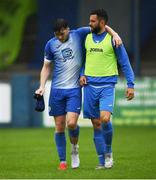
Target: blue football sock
(60, 140)
(99, 145)
(108, 134)
(74, 132)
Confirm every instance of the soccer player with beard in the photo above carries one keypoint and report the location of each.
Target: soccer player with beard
(99, 78)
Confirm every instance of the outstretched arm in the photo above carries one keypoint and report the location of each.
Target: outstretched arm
(116, 38)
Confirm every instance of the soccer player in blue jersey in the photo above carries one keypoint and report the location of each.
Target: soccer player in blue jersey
(99, 78)
(64, 51)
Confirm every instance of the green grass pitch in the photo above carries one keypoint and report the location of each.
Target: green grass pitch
(31, 153)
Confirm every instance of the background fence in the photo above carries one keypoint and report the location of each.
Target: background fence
(17, 104)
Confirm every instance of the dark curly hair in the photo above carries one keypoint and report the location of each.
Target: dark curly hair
(101, 13)
(59, 24)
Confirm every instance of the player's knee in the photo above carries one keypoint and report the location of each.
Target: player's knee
(71, 125)
(96, 124)
(59, 127)
(105, 118)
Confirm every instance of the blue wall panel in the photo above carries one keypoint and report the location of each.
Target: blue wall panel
(21, 107)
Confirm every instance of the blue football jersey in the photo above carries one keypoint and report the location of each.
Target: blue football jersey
(67, 58)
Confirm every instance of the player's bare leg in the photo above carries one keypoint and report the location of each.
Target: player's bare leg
(73, 130)
(60, 123)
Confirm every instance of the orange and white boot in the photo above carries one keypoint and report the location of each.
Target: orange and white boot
(62, 166)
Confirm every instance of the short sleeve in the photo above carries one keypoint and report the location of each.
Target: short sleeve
(48, 52)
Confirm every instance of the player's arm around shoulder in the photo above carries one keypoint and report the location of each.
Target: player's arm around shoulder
(45, 72)
(83, 31)
(117, 41)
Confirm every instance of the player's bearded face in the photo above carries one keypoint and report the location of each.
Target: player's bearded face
(94, 23)
(62, 35)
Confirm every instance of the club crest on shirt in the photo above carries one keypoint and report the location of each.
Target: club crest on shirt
(67, 54)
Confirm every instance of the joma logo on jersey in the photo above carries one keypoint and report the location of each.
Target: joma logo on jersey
(67, 54)
(96, 50)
